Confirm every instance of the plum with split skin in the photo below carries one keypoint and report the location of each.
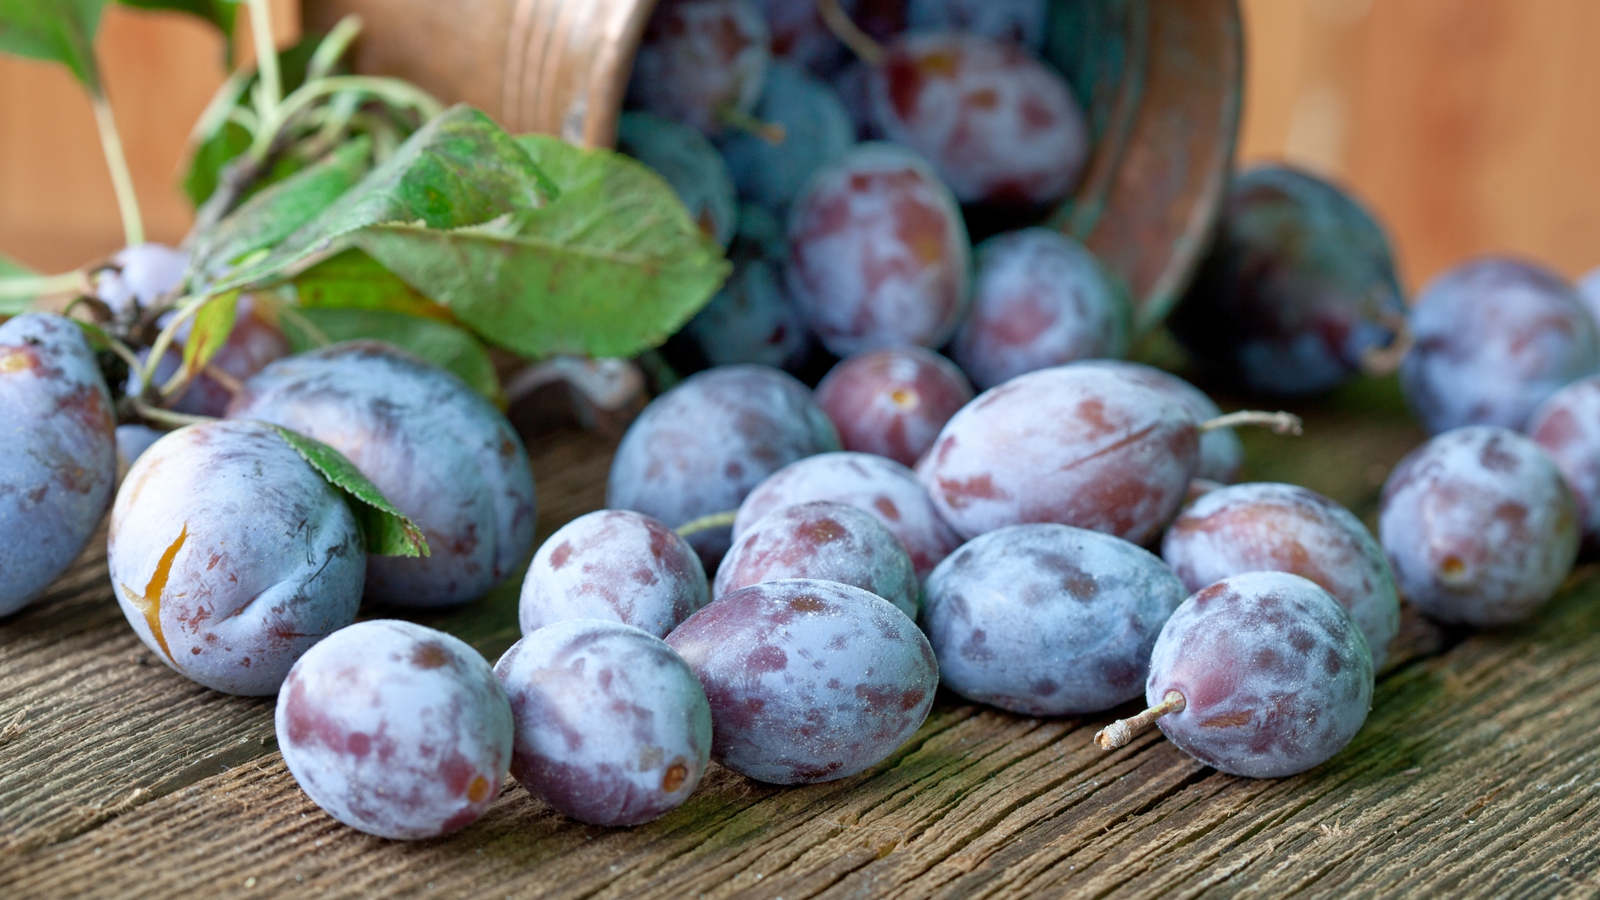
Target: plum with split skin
(440, 452)
(231, 556)
(60, 458)
(396, 730)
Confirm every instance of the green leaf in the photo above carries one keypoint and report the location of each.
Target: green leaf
(56, 31)
(460, 169)
(212, 325)
(354, 280)
(15, 306)
(278, 211)
(210, 156)
(388, 532)
(220, 13)
(438, 342)
(612, 267)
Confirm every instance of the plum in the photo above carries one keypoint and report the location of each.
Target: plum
(1567, 426)
(1283, 528)
(231, 556)
(817, 130)
(440, 452)
(140, 276)
(1040, 299)
(801, 38)
(616, 565)
(1494, 338)
(134, 440)
(873, 484)
(1048, 620)
(689, 163)
(808, 680)
(893, 402)
(60, 457)
(1479, 526)
(612, 727)
(878, 252)
(1262, 674)
(1022, 22)
(1298, 290)
(826, 541)
(701, 62)
(751, 320)
(1076, 446)
(1000, 127)
(1221, 452)
(396, 730)
(699, 448)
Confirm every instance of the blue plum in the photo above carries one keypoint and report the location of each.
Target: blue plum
(1284, 528)
(1000, 127)
(1273, 675)
(826, 541)
(231, 556)
(1022, 22)
(1040, 299)
(1567, 426)
(817, 130)
(1494, 338)
(1479, 526)
(139, 276)
(1074, 445)
(615, 565)
(873, 484)
(612, 727)
(440, 452)
(60, 457)
(809, 681)
(396, 730)
(1221, 452)
(690, 164)
(1298, 290)
(751, 320)
(878, 252)
(701, 62)
(1048, 620)
(699, 448)
(894, 401)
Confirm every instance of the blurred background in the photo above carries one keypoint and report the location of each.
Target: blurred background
(1470, 127)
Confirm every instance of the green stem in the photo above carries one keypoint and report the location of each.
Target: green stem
(30, 286)
(121, 178)
(186, 309)
(266, 58)
(327, 54)
(707, 523)
(397, 92)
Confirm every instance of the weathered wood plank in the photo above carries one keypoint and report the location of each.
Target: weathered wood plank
(102, 726)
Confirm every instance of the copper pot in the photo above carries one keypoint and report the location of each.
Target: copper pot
(1161, 80)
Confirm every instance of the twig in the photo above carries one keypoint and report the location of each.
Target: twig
(1279, 422)
(707, 523)
(847, 31)
(1120, 732)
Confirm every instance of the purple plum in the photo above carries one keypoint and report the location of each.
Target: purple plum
(893, 402)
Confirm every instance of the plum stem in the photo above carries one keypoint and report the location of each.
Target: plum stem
(846, 30)
(707, 523)
(1280, 422)
(271, 83)
(1381, 362)
(121, 177)
(771, 132)
(1120, 732)
(26, 287)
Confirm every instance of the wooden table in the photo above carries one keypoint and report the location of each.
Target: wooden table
(1477, 774)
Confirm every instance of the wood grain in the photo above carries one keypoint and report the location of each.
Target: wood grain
(1471, 778)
